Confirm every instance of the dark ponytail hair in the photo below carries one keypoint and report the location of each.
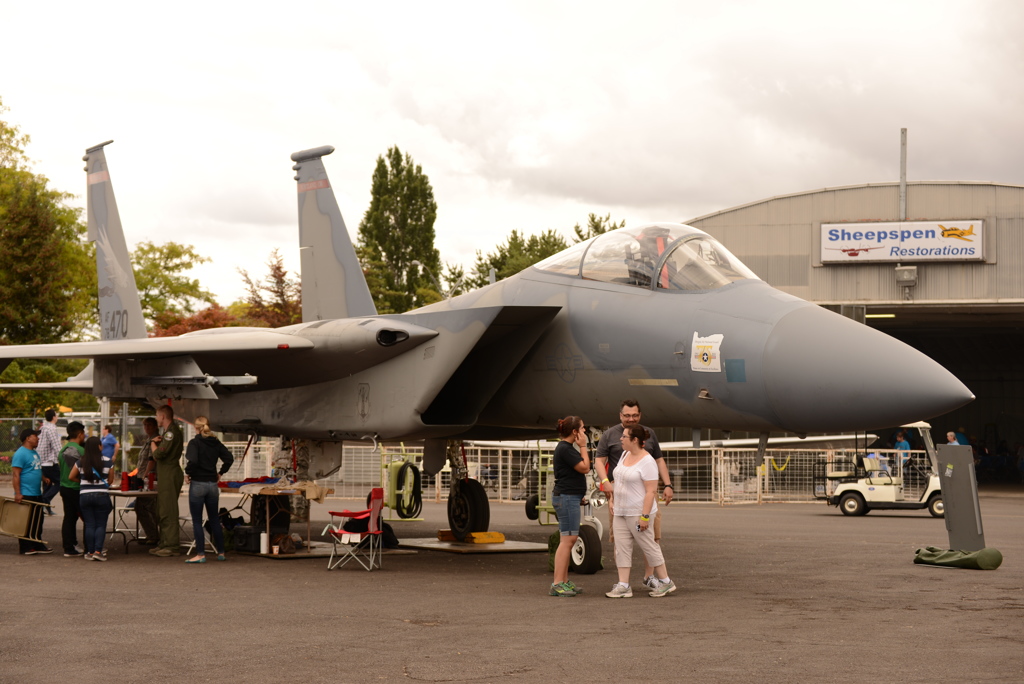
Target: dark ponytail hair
(637, 432)
(92, 458)
(567, 425)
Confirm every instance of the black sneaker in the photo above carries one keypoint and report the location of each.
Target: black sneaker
(74, 553)
(44, 550)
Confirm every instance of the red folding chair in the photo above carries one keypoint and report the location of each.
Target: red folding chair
(363, 547)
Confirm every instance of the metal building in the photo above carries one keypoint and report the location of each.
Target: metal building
(947, 280)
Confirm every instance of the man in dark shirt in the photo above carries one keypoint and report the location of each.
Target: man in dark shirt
(609, 451)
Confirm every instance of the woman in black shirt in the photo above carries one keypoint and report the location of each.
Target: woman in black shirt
(571, 463)
(204, 450)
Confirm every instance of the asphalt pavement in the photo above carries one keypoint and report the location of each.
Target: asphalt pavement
(770, 593)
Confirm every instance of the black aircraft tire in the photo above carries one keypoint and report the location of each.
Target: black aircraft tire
(852, 504)
(531, 507)
(936, 507)
(468, 509)
(585, 557)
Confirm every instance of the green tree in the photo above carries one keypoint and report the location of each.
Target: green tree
(42, 260)
(375, 270)
(47, 288)
(26, 402)
(515, 254)
(275, 301)
(597, 225)
(398, 229)
(160, 278)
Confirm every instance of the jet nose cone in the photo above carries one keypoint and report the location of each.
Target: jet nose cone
(824, 372)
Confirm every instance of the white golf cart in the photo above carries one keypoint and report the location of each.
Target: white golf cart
(871, 483)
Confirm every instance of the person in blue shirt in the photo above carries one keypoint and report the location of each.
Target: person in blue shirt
(110, 445)
(27, 479)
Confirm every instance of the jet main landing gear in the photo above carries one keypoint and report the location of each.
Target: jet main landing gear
(468, 508)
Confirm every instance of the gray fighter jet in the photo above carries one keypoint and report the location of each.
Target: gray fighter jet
(662, 312)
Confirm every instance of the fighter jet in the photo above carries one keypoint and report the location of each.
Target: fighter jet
(663, 313)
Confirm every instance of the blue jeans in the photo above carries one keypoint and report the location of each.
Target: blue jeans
(95, 509)
(567, 509)
(205, 495)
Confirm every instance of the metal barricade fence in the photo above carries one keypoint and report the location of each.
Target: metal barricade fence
(504, 473)
(711, 475)
(256, 463)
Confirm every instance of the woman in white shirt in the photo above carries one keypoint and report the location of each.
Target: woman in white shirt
(636, 488)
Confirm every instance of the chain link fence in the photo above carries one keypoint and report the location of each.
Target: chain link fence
(709, 475)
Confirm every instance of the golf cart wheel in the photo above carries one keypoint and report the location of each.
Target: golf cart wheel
(936, 507)
(852, 504)
(531, 507)
(468, 508)
(585, 557)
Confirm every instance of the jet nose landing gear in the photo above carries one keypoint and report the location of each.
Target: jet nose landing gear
(468, 508)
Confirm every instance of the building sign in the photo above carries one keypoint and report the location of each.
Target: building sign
(902, 241)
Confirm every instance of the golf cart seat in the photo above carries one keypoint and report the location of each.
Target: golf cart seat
(841, 469)
(877, 475)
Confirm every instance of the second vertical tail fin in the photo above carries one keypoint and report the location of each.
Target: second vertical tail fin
(333, 285)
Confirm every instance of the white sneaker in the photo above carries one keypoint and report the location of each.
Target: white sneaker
(663, 589)
(651, 582)
(620, 591)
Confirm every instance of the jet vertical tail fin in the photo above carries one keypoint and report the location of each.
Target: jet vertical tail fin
(120, 309)
(333, 285)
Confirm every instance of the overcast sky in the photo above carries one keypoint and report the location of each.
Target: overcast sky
(524, 115)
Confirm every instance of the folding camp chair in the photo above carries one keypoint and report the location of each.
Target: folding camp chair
(364, 547)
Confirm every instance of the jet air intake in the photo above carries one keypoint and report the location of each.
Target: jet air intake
(386, 338)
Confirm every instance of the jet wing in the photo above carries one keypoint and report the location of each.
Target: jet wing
(156, 347)
(69, 386)
(175, 354)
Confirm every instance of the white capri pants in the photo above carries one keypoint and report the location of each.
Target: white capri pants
(625, 530)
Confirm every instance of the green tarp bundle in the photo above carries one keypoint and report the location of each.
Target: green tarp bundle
(986, 559)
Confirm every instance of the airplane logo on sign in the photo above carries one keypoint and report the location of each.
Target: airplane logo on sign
(852, 251)
(958, 233)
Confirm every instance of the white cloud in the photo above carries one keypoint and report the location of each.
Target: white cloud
(524, 115)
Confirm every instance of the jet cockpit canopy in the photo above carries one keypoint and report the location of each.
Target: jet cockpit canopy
(663, 256)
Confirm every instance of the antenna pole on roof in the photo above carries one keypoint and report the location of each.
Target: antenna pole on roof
(903, 174)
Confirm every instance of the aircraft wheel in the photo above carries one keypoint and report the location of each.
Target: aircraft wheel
(852, 504)
(468, 508)
(936, 507)
(585, 557)
(531, 507)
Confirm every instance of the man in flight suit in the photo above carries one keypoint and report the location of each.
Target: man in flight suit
(166, 449)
